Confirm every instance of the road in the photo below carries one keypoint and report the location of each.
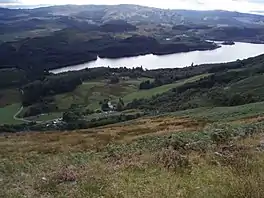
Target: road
(20, 119)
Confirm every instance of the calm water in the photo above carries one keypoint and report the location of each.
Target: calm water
(226, 53)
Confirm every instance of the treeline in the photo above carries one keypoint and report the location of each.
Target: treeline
(156, 83)
(15, 77)
(36, 91)
(106, 73)
(97, 122)
(71, 125)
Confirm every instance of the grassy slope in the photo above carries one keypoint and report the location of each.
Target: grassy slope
(91, 93)
(252, 85)
(159, 90)
(165, 156)
(121, 161)
(7, 113)
(132, 159)
(225, 113)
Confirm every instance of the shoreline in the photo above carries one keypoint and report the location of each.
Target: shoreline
(129, 56)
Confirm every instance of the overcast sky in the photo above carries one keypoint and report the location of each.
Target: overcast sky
(237, 5)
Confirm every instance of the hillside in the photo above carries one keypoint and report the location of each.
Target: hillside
(38, 22)
(141, 14)
(192, 132)
(213, 150)
(183, 154)
(82, 97)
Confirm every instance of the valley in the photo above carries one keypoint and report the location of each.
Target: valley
(54, 37)
(162, 103)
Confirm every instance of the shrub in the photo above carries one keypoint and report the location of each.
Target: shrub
(146, 85)
(221, 134)
(114, 80)
(178, 142)
(173, 160)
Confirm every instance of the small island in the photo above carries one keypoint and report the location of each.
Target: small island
(228, 43)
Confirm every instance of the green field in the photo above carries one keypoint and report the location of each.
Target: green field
(159, 90)
(91, 93)
(7, 113)
(88, 94)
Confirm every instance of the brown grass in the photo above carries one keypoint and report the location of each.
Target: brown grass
(248, 120)
(74, 164)
(57, 142)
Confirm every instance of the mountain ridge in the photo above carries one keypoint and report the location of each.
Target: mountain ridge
(137, 13)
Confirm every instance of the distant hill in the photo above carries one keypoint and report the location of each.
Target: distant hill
(52, 37)
(140, 14)
(43, 21)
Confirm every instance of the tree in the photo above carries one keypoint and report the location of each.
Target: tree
(114, 80)
(120, 105)
(70, 116)
(105, 105)
(145, 85)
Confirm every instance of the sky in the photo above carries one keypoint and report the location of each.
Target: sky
(232, 5)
